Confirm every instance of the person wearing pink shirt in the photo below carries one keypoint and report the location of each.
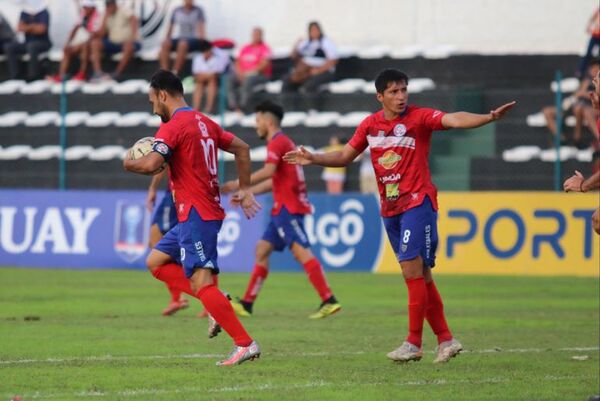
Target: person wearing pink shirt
(252, 67)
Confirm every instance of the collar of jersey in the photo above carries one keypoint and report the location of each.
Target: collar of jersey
(399, 115)
(186, 108)
(276, 134)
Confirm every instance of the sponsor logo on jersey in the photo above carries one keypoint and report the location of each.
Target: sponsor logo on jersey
(392, 191)
(389, 160)
(391, 177)
(380, 133)
(400, 130)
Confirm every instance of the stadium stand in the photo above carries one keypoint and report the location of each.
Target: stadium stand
(107, 117)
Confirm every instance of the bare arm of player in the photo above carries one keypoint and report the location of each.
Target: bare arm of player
(243, 197)
(265, 173)
(262, 187)
(340, 158)
(147, 165)
(462, 119)
(577, 183)
(152, 189)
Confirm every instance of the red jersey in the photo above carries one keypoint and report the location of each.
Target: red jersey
(289, 186)
(399, 153)
(189, 142)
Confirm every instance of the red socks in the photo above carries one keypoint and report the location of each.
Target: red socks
(417, 304)
(220, 309)
(315, 274)
(175, 293)
(172, 275)
(435, 314)
(258, 277)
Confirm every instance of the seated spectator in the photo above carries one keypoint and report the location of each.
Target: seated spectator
(6, 33)
(207, 67)
(334, 177)
(252, 67)
(188, 21)
(78, 42)
(580, 105)
(33, 22)
(593, 29)
(118, 33)
(315, 59)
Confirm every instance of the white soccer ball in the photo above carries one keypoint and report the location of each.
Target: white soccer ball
(141, 148)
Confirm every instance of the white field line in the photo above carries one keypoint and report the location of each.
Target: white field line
(284, 388)
(111, 358)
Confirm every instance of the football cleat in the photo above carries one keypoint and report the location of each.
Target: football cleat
(406, 352)
(448, 350)
(175, 306)
(242, 354)
(326, 309)
(214, 328)
(242, 308)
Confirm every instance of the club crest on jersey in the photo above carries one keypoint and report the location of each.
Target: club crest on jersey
(400, 130)
(389, 159)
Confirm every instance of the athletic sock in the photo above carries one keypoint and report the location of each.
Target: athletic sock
(435, 314)
(315, 274)
(172, 275)
(417, 305)
(220, 309)
(175, 293)
(257, 278)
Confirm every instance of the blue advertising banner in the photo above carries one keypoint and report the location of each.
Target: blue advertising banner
(109, 229)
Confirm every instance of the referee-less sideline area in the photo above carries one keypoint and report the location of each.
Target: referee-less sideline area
(498, 233)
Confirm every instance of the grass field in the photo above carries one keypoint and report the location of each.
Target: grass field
(100, 336)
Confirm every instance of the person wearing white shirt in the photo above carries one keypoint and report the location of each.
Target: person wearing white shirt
(207, 66)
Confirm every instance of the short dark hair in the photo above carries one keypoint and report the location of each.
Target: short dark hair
(204, 45)
(164, 80)
(387, 76)
(269, 106)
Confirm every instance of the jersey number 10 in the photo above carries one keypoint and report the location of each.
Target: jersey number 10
(210, 155)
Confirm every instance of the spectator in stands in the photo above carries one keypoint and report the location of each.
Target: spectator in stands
(252, 67)
(188, 21)
(118, 33)
(207, 67)
(581, 107)
(78, 42)
(314, 59)
(33, 22)
(593, 29)
(6, 33)
(334, 177)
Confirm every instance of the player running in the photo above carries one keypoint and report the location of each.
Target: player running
(399, 138)
(188, 141)
(290, 205)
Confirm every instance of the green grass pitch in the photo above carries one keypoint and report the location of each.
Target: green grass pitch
(100, 336)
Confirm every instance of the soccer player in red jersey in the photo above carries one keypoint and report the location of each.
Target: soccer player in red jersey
(399, 138)
(290, 205)
(188, 141)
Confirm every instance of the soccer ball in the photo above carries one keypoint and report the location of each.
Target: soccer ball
(141, 148)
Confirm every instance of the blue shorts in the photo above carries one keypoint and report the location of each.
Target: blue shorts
(193, 243)
(414, 233)
(114, 48)
(193, 43)
(165, 215)
(284, 229)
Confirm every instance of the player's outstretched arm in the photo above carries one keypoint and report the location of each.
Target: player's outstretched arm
(340, 158)
(463, 119)
(149, 164)
(243, 197)
(577, 183)
(264, 173)
(262, 187)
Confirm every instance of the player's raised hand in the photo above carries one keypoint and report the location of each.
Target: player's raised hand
(300, 156)
(246, 200)
(574, 182)
(500, 111)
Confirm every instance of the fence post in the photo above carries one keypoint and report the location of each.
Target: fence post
(62, 167)
(559, 117)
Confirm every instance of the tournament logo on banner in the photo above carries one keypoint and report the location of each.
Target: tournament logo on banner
(131, 230)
